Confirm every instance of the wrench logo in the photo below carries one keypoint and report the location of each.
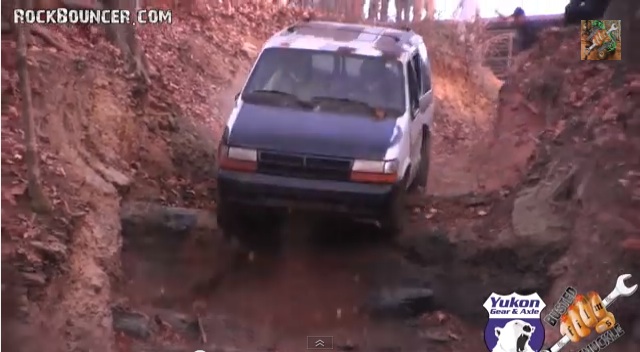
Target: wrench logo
(577, 326)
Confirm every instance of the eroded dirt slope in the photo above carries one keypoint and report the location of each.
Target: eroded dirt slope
(99, 141)
(590, 111)
(466, 96)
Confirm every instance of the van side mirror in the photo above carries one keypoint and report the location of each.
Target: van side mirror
(236, 96)
(426, 101)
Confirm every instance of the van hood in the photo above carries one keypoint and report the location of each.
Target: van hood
(312, 132)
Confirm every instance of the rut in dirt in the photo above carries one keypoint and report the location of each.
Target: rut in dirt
(329, 278)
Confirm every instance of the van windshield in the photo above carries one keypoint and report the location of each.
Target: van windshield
(311, 77)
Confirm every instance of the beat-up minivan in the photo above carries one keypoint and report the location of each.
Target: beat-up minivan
(334, 117)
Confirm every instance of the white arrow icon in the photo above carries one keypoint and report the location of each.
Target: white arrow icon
(319, 343)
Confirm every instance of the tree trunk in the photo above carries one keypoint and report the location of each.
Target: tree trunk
(39, 202)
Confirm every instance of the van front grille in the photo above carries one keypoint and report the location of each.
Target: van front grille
(312, 167)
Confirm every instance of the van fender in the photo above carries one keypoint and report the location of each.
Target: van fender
(404, 151)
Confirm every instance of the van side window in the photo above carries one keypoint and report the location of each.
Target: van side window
(426, 77)
(414, 88)
(417, 65)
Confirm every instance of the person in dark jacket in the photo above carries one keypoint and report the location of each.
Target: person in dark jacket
(526, 31)
(578, 10)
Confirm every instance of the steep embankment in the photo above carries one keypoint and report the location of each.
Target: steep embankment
(466, 94)
(584, 118)
(102, 139)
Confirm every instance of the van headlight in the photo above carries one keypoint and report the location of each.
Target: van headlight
(374, 171)
(243, 154)
(238, 159)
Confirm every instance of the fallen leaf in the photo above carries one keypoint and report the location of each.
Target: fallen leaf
(14, 191)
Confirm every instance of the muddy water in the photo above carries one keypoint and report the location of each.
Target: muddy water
(317, 284)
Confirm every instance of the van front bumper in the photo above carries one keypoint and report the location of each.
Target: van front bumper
(254, 189)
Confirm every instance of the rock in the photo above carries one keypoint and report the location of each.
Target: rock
(171, 220)
(347, 346)
(440, 334)
(430, 248)
(389, 349)
(182, 323)
(400, 302)
(116, 177)
(34, 279)
(168, 123)
(138, 347)
(635, 332)
(51, 249)
(538, 228)
(249, 49)
(134, 324)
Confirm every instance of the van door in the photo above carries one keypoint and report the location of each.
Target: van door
(426, 94)
(416, 123)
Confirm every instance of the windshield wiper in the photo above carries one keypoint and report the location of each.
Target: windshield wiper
(320, 99)
(290, 96)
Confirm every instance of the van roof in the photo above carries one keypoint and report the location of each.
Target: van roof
(357, 38)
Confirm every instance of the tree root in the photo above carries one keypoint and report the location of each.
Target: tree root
(40, 32)
(45, 35)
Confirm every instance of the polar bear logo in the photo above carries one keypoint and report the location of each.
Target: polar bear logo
(514, 337)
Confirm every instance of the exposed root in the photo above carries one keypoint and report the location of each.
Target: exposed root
(45, 35)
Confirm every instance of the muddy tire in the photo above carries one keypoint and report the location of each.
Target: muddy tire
(422, 174)
(392, 222)
(253, 227)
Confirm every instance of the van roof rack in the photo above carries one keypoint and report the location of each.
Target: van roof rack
(310, 24)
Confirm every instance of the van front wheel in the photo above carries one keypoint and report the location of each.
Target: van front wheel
(422, 174)
(393, 220)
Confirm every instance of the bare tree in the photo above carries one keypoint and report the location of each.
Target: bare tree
(39, 202)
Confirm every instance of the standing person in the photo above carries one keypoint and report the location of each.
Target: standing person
(431, 9)
(526, 31)
(373, 10)
(354, 9)
(418, 7)
(379, 7)
(384, 10)
(578, 10)
(402, 10)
